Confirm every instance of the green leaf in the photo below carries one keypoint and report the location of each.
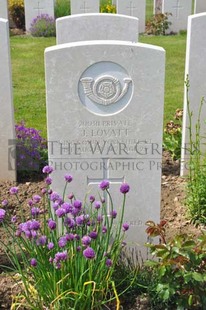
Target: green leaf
(197, 276)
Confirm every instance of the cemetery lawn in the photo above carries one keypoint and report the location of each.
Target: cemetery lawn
(29, 80)
(172, 210)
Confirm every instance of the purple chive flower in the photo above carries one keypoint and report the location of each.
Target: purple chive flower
(42, 240)
(67, 207)
(104, 229)
(125, 226)
(50, 245)
(91, 198)
(97, 205)
(34, 225)
(89, 253)
(60, 212)
(54, 196)
(69, 222)
(68, 178)
(44, 190)
(93, 235)
(99, 218)
(78, 248)
(2, 214)
(71, 196)
(50, 191)
(69, 237)
(33, 262)
(104, 185)
(35, 211)
(80, 220)
(86, 240)
(14, 190)
(108, 262)
(30, 203)
(55, 205)
(60, 256)
(36, 198)
(77, 237)
(77, 204)
(48, 181)
(47, 169)
(124, 188)
(62, 242)
(4, 202)
(52, 224)
(28, 234)
(113, 214)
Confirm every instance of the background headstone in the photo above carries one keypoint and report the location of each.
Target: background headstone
(200, 6)
(84, 6)
(4, 9)
(7, 134)
(134, 8)
(105, 114)
(196, 70)
(99, 26)
(34, 8)
(180, 10)
(157, 7)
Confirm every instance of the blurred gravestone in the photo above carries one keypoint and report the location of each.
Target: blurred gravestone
(4, 9)
(84, 6)
(99, 26)
(7, 132)
(34, 8)
(200, 6)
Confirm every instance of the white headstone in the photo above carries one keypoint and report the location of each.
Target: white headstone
(4, 9)
(180, 10)
(105, 113)
(195, 68)
(84, 6)
(99, 26)
(157, 9)
(134, 8)
(200, 6)
(7, 132)
(34, 8)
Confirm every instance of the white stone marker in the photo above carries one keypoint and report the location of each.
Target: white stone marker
(134, 8)
(180, 10)
(157, 9)
(84, 6)
(200, 6)
(34, 8)
(4, 9)
(7, 132)
(195, 68)
(104, 116)
(96, 26)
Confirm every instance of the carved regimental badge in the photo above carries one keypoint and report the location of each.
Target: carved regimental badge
(105, 89)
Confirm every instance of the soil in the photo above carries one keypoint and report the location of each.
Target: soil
(172, 210)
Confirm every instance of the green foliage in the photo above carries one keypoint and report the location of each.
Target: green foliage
(43, 26)
(62, 8)
(196, 189)
(16, 9)
(173, 136)
(108, 7)
(158, 24)
(179, 269)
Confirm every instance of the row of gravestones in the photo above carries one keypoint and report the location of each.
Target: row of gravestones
(180, 10)
(105, 103)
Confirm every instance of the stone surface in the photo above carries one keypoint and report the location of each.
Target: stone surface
(105, 114)
(134, 8)
(196, 70)
(4, 9)
(34, 8)
(7, 145)
(180, 10)
(99, 26)
(200, 6)
(84, 6)
(157, 9)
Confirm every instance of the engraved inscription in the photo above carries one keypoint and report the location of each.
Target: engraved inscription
(105, 89)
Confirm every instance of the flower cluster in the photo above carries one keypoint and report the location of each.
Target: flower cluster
(70, 234)
(43, 26)
(30, 148)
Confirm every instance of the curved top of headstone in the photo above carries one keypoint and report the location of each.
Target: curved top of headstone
(97, 26)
